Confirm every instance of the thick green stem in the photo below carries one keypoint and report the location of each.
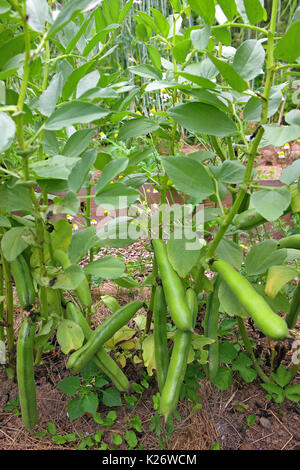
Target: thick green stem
(22, 94)
(248, 347)
(218, 148)
(2, 336)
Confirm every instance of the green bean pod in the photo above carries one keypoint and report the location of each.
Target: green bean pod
(176, 372)
(211, 328)
(102, 359)
(83, 290)
(23, 282)
(178, 362)
(292, 316)
(25, 374)
(248, 220)
(264, 317)
(173, 288)
(160, 336)
(102, 334)
(192, 301)
(293, 241)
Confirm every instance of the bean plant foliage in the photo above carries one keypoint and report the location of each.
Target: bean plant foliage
(82, 127)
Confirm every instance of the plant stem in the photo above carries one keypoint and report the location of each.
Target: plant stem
(2, 336)
(248, 347)
(9, 313)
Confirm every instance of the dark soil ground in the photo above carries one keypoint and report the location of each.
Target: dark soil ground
(222, 417)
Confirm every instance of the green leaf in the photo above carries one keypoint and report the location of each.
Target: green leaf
(253, 109)
(203, 118)
(292, 392)
(62, 235)
(204, 8)
(229, 302)
(288, 47)
(207, 97)
(78, 142)
(48, 99)
(16, 198)
(243, 365)
(68, 204)
(87, 82)
(277, 277)
(117, 439)
(230, 252)
(271, 204)
(223, 35)
(117, 196)
(227, 353)
(223, 379)
(74, 78)
(90, 402)
(75, 409)
(80, 171)
(106, 268)
(262, 256)
(161, 22)
(111, 397)
(228, 72)
(8, 129)
(69, 336)
(282, 376)
(231, 172)
(38, 12)
(200, 38)
(229, 8)
(181, 258)
(12, 243)
(125, 10)
(4, 222)
(154, 56)
(136, 128)
(276, 392)
(69, 11)
(70, 279)
(290, 173)
(110, 171)
(127, 281)
(111, 303)
(70, 385)
(74, 112)
(254, 10)
(249, 59)
(146, 71)
(189, 176)
(279, 135)
(131, 439)
(181, 50)
(11, 48)
(82, 241)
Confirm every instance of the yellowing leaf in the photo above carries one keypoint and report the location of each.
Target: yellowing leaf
(199, 342)
(277, 277)
(123, 334)
(140, 321)
(70, 336)
(148, 354)
(129, 345)
(295, 204)
(122, 360)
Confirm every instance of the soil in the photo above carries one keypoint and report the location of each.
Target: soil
(222, 417)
